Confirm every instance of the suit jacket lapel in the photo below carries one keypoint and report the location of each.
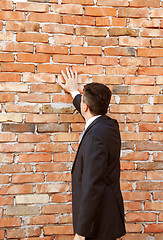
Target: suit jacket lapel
(88, 128)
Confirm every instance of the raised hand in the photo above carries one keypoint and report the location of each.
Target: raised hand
(71, 81)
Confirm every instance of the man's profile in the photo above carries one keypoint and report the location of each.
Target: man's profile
(98, 212)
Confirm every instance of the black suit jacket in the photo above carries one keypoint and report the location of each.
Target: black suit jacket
(98, 212)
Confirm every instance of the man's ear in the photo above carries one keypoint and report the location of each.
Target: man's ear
(85, 107)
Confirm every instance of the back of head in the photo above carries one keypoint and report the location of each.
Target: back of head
(97, 96)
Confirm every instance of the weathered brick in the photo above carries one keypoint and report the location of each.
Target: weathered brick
(101, 41)
(44, 17)
(16, 47)
(141, 217)
(53, 188)
(39, 157)
(149, 3)
(59, 177)
(66, 137)
(120, 70)
(32, 7)
(16, 189)
(52, 127)
(66, 40)
(20, 108)
(12, 16)
(11, 117)
(22, 26)
(32, 37)
(43, 220)
(97, 60)
(100, 11)
(27, 178)
(152, 33)
(148, 166)
(133, 12)
(51, 167)
(58, 230)
(123, 32)
(10, 222)
(10, 127)
(144, 90)
(157, 13)
(23, 232)
(50, 28)
(43, 48)
(51, 147)
(32, 199)
(120, 51)
(144, 23)
(112, 3)
(149, 146)
(135, 61)
(129, 80)
(134, 42)
(61, 198)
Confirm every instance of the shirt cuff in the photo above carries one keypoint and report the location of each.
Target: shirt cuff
(75, 93)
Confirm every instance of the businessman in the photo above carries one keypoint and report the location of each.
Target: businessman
(97, 203)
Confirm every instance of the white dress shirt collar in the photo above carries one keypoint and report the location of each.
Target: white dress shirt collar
(90, 121)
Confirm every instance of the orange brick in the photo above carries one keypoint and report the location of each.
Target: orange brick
(32, 37)
(66, 137)
(42, 48)
(33, 138)
(50, 28)
(38, 78)
(43, 220)
(62, 157)
(83, 2)
(157, 13)
(120, 70)
(10, 222)
(157, 62)
(88, 69)
(150, 71)
(6, 36)
(6, 57)
(152, 33)
(91, 31)
(100, 11)
(151, 127)
(67, 9)
(135, 156)
(6, 158)
(133, 206)
(51, 68)
(133, 12)
(41, 118)
(119, 51)
(36, 157)
(86, 50)
(136, 196)
(112, 3)
(65, 219)
(78, 20)
(59, 177)
(102, 60)
(17, 67)
(16, 47)
(154, 175)
(37, 58)
(147, 52)
(61, 198)
(144, 90)
(6, 200)
(131, 136)
(125, 108)
(159, 80)
(101, 41)
(6, 5)
(22, 26)
(11, 107)
(132, 176)
(149, 186)
(68, 40)
(149, 3)
(139, 80)
(58, 230)
(158, 156)
(138, 23)
(4, 179)
(106, 21)
(45, 88)
(44, 17)
(116, 80)
(62, 98)
(12, 16)
(32, 7)
(134, 42)
(25, 97)
(75, 59)
(17, 147)
(119, 31)
(27, 178)
(7, 137)
(158, 196)
(134, 227)
(135, 61)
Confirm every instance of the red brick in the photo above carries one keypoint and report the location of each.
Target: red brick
(17, 67)
(16, 189)
(131, 136)
(144, 90)
(133, 12)
(27, 178)
(151, 127)
(2, 234)
(153, 71)
(141, 217)
(45, 88)
(11, 107)
(50, 28)
(133, 206)
(153, 228)
(141, 118)
(119, 31)
(78, 20)
(62, 157)
(65, 219)
(120, 70)
(50, 167)
(149, 186)
(59, 177)
(100, 11)
(116, 80)
(106, 21)
(135, 156)
(37, 58)
(25, 97)
(24, 232)
(61, 198)
(44, 17)
(51, 68)
(17, 147)
(32, 7)
(7, 137)
(4, 179)
(135, 61)
(6, 158)
(136, 236)
(51, 147)
(134, 227)
(42, 48)
(36, 157)
(157, 62)
(158, 156)
(157, 42)
(93, 70)
(10, 77)
(6, 36)
(43, 220)
(12, 16)
(159, 80)
(66, 40)
(154, 175)
(41, 118)
(38, 78)
(10, 222)
(132, 176)
(6, 200)
(152, 109)
(136, 196)
(127, 166)
(33, 138)
(150, 52)
(157, 137)
(62, 98)
(149, 3)
(66, 137)
(158, 196)
(83, 2)
(154, 206)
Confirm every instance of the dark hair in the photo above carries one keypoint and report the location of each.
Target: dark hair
(97, 96)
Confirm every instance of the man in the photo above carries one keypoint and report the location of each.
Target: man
(98, 212)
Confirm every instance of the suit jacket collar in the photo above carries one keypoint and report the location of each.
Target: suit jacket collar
(101, 118)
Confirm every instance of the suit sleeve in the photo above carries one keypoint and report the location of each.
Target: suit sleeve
(77, 101)
(95, 161)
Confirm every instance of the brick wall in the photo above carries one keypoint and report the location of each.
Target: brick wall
(116, 42)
